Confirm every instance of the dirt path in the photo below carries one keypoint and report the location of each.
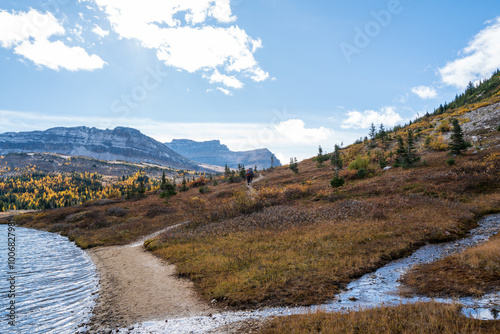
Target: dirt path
(252, 191)
(136, 286)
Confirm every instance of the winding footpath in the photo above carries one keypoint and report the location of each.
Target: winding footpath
(372, 290)
(136, 286)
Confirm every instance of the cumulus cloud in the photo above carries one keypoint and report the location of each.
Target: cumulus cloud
(28, 33)
(225, 91)
(228, 81)
(480, 60)
(363, 120)
(424, 92)
(295, 131)
(100, 32)
(196, 43)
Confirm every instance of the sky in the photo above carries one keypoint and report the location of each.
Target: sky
(288, 75)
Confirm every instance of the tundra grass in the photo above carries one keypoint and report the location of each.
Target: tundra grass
(473, 272)
(422, 318)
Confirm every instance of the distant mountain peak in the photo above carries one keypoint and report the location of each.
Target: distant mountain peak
(214, 153)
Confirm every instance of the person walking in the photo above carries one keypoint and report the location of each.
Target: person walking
(249, 176)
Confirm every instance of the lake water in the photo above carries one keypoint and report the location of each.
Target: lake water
(55, 282)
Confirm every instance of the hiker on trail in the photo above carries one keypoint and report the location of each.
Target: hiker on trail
(249, 175)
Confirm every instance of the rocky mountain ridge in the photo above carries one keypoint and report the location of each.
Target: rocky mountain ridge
(121, 143)
(214, 153)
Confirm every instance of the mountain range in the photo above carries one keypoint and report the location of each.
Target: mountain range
(122, 143)
(214, 153)
(128, 144)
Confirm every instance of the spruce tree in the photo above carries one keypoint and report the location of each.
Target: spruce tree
(458, 143)
(411, 155)
(336, 159)
(163, 184)
(405, 154)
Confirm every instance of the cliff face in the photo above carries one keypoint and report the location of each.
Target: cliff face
(214, 153)
(119, 144)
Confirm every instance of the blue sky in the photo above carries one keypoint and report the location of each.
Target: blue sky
(287, 75)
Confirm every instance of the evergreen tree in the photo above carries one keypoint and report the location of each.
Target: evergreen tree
(382, 133)
(184, 184)
(294, 165)
(321, 157)
(336, 159)
(405, 154)
(458, 143)
(400, 152)
(272, 161)
(243, 173)
(163, 182)
(373, 132)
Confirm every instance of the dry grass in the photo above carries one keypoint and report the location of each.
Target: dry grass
(474, 272)
(302, 254)
(419, 318)
(105, 222)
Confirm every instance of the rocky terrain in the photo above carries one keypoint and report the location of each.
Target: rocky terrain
(122, 143)
(214, 153)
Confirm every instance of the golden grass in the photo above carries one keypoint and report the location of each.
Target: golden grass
(299, 255)
(474, 272)
(421, 318)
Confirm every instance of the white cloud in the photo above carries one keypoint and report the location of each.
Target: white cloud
(295, 131)
(424, 92)
(480, 61)
(28, 34)
(56, 55)
(100, 32)
(363, 120)
(194, 44)
(225, 91)
(288, 138)
(228, 81)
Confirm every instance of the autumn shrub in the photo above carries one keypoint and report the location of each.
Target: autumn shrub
(204, 189)
(158, 210)
(438, 144)
(359, 163)
(117, 211)
(444, 126)
(198, 182)
(296, 191)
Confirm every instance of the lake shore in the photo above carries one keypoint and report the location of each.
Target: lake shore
(136, 286)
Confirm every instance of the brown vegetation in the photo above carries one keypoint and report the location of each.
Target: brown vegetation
(422, 318)
(474, 272)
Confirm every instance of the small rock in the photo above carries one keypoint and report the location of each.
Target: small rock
(107, 331)
(353, 299)
(387, 168)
